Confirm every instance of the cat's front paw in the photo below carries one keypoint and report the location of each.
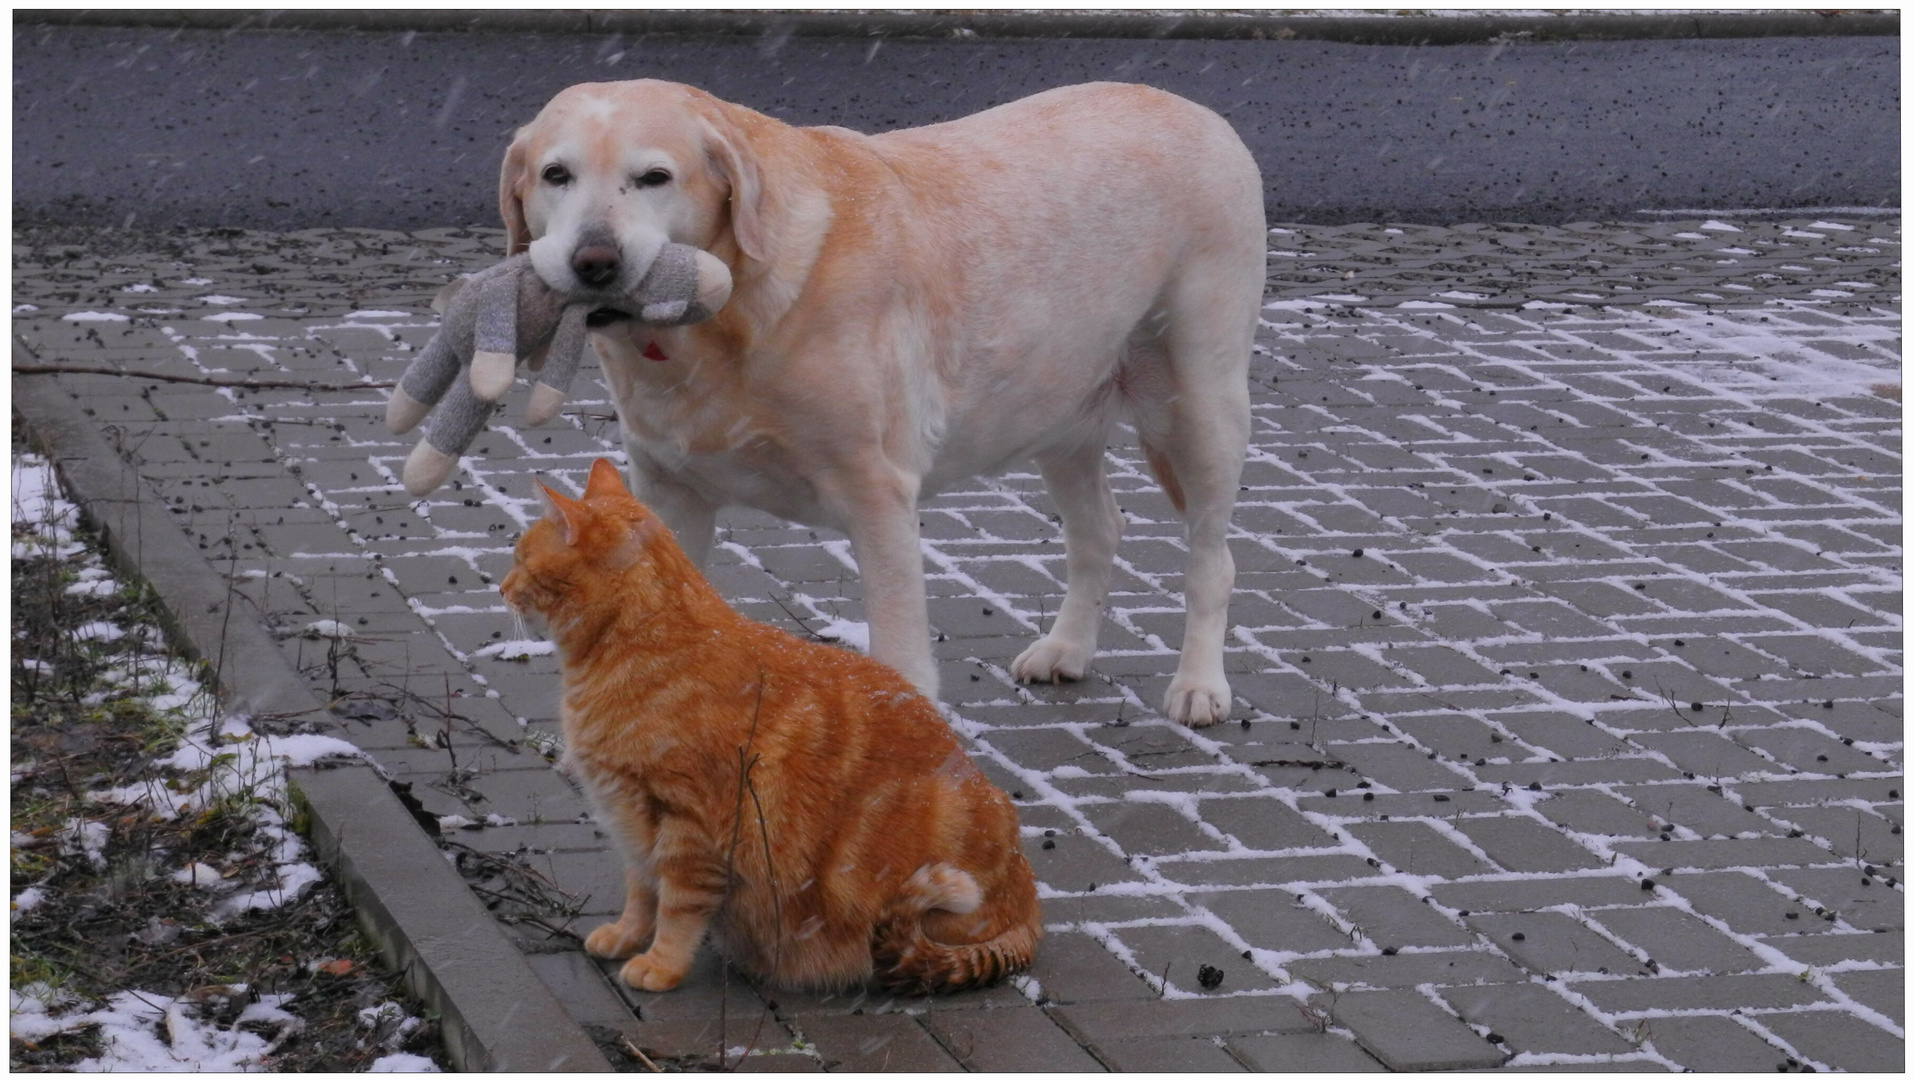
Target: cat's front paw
(642, 972)
(616, 940)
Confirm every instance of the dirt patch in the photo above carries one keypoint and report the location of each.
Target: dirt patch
(165, 913)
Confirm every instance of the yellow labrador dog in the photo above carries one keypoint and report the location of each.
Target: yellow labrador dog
(918, 307)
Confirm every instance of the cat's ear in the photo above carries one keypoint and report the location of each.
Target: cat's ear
(604, 480)
(639, 534)
(568, 514)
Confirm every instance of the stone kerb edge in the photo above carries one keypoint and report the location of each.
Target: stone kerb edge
(1358, 30)
(496, 1013)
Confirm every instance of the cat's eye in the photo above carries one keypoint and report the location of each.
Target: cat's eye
(556, 175)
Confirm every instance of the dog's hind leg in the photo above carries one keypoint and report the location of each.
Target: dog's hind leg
(1092, 526)
(1195, 438)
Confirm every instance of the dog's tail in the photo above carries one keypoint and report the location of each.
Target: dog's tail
(907, 961)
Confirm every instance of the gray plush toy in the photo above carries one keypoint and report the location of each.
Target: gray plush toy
(507, 313)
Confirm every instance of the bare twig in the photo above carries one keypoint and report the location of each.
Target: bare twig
(632, 1049)
(197, 380)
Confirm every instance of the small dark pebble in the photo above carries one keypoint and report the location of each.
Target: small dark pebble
(1209, 978)
(1390, 951)
(1494, 1038)
(1518, 936)
(1049, 844)
(1647, 885)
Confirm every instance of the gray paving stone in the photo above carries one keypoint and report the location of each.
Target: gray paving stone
(1008, 1040)
(1863, 906)
(1168, 1055)
(1415, 847)
(1884, 990)
(1278, 872)
(1095, 1024)
(1839, 1040)
(1829, 949)
(1303, 1054)
(1713, 1044)
(1721, 854)
(1627, 998)
(1528, 894)
(1408, 969)
(1074, 968)
(1180, 953)
(1678, 941)
(1262, 823)
(1272, 919)
(891, 1042)
(1527, 846)
(1408, 1032)
(1533, 1019)
(1393, 918)
(1549, 943)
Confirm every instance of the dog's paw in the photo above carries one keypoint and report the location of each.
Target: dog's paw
(642, 972)
(1051, 660)
(616, 940)
(1196, 702)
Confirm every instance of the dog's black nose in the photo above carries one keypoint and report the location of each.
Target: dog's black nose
(596, 265)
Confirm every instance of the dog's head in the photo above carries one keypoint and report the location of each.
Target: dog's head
(609, 172)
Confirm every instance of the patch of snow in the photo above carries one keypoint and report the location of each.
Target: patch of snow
(98, 631)
(146, 1032)
(402, 1063)
(517, 650)
(325, 628)
(231, 316)
(94, 316)
(218, 299)
(855, 634)
(200, 875)
(1718, 226)
(29, 898)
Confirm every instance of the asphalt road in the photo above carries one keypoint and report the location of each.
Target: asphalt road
(292, 129)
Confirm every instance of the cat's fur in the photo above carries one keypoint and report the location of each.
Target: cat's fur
(802, 802)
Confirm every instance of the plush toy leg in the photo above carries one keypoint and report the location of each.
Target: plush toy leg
(561, 365)
(495, 337)
(461, 416)
(423, 384)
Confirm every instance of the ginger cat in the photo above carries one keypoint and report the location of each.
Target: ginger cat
(801, 801)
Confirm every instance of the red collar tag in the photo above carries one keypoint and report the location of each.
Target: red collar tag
(653, 352)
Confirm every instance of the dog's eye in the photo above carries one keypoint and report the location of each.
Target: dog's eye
(557, 174)
(654, 178)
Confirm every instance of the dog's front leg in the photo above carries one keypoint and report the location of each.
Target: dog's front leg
(692, 518)
(880, 514)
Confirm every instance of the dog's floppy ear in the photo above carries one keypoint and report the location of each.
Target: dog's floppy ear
(511, 203)
(730, 153)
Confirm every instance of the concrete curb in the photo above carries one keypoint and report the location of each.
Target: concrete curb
(496, 1014)
(1373, 30)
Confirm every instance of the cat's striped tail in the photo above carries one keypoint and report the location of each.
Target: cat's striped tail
(907, 961)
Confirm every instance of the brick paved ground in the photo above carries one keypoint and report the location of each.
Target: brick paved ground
(1567, 635)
